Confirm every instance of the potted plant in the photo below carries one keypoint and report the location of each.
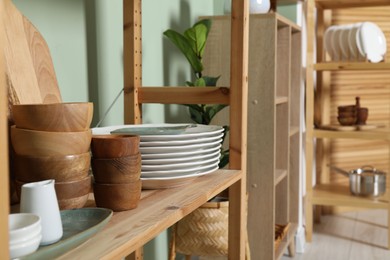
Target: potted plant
(204, 231)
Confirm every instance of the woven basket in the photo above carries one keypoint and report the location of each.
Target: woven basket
(204, 232)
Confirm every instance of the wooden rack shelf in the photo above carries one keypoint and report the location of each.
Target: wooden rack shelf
(331, 4)
(329, 66)
(333, 194)
(383, 134)
(158, 210)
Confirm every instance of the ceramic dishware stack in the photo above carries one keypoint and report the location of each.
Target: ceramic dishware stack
(52, 141)
(173, 154)
(25, 234)
(355, 42)
(116, 167)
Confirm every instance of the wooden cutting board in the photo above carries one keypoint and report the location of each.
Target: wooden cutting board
(29, 68)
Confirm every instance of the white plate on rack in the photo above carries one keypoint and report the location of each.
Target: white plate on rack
(181, 154)
(371, 42)
(177, 166)
(182, 131)
(353, 49)
(172, 182)
(181, 142)
(328, 40)
(173, 159)
(179, 172)
(182, 148)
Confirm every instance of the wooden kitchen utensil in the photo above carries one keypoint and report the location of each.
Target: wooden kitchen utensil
(30, 71)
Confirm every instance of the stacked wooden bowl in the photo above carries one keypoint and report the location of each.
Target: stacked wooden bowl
(52, 141)
(116, 167)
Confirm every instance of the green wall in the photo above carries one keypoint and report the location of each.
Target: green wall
(85, 39)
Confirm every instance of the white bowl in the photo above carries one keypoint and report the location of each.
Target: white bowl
(25, 248)
(23, 226)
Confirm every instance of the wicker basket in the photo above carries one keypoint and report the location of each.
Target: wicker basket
(204, 232)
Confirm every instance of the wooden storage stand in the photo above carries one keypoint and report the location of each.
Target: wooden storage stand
(324, 194)
(159, 209)
(273, 124)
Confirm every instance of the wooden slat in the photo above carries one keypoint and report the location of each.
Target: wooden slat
(331, 4)
(132, 60)
(158, 210)
(352, 66)
(188, 95)
(4, 180)
(368, 134)
(238, 126)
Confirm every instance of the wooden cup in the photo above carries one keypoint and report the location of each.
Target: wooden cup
(112, 146)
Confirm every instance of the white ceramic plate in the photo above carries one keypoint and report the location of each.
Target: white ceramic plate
(353, 49)
(335, 43)
(177, 166)
(328, 40)
(182, 131)
(344, 43)
(181, 142)
(172, 182)
(373, 42)
(181, 148)
(179, 172)
(173, 160)
(180, 154)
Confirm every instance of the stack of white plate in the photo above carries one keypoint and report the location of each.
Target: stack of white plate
(173, 154)
(355, 42)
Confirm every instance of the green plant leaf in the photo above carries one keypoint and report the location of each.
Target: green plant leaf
(184, 46)
(196, 116)
(200, 82)
(211, 81)
(212, 110)
(207, 23)
(197, 36)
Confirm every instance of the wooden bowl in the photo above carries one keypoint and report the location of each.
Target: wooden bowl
(118, 197)
(349, 108)
(362, 116)
(55, 117)
(347, 120)
(60, 168)
(111, 146)
(70, 195)
(42, 143)
(117, 170)
(348, 114)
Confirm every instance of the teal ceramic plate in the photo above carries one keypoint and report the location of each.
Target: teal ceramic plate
(78, 225)
(162, 132)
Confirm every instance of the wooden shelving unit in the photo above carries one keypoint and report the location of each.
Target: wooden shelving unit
(325, 194)
(128, 231)
(273, 128)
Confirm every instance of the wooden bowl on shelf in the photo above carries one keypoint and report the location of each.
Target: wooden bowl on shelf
(348, 108)
(60, 168)
(54, 117)
(43, 143)
(117, 170)
(347, 120)
(111, 146)
(118, 197)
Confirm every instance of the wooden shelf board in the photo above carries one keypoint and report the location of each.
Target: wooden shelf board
(328, 66)
(158, 210)
(339, 195)
(187, 95)
(281, 100)
(287, 240)
(331, 4)
(379, 134)
(280, 174)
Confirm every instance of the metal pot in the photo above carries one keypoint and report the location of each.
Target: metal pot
(365, 181)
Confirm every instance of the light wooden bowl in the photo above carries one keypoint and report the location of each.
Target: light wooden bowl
(55, 117)
(42, 143)
(60, 168)
(111, 146)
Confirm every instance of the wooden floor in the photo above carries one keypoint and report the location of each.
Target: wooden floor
(348, 236)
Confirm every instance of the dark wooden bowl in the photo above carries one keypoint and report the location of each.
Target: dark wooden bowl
(111, 146)
(117, 170)
(118, 197)
(347, 120)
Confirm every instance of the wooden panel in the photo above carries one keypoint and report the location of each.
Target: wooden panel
(4, 190)
(352, 66)
(331, 4)
(373, 87)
